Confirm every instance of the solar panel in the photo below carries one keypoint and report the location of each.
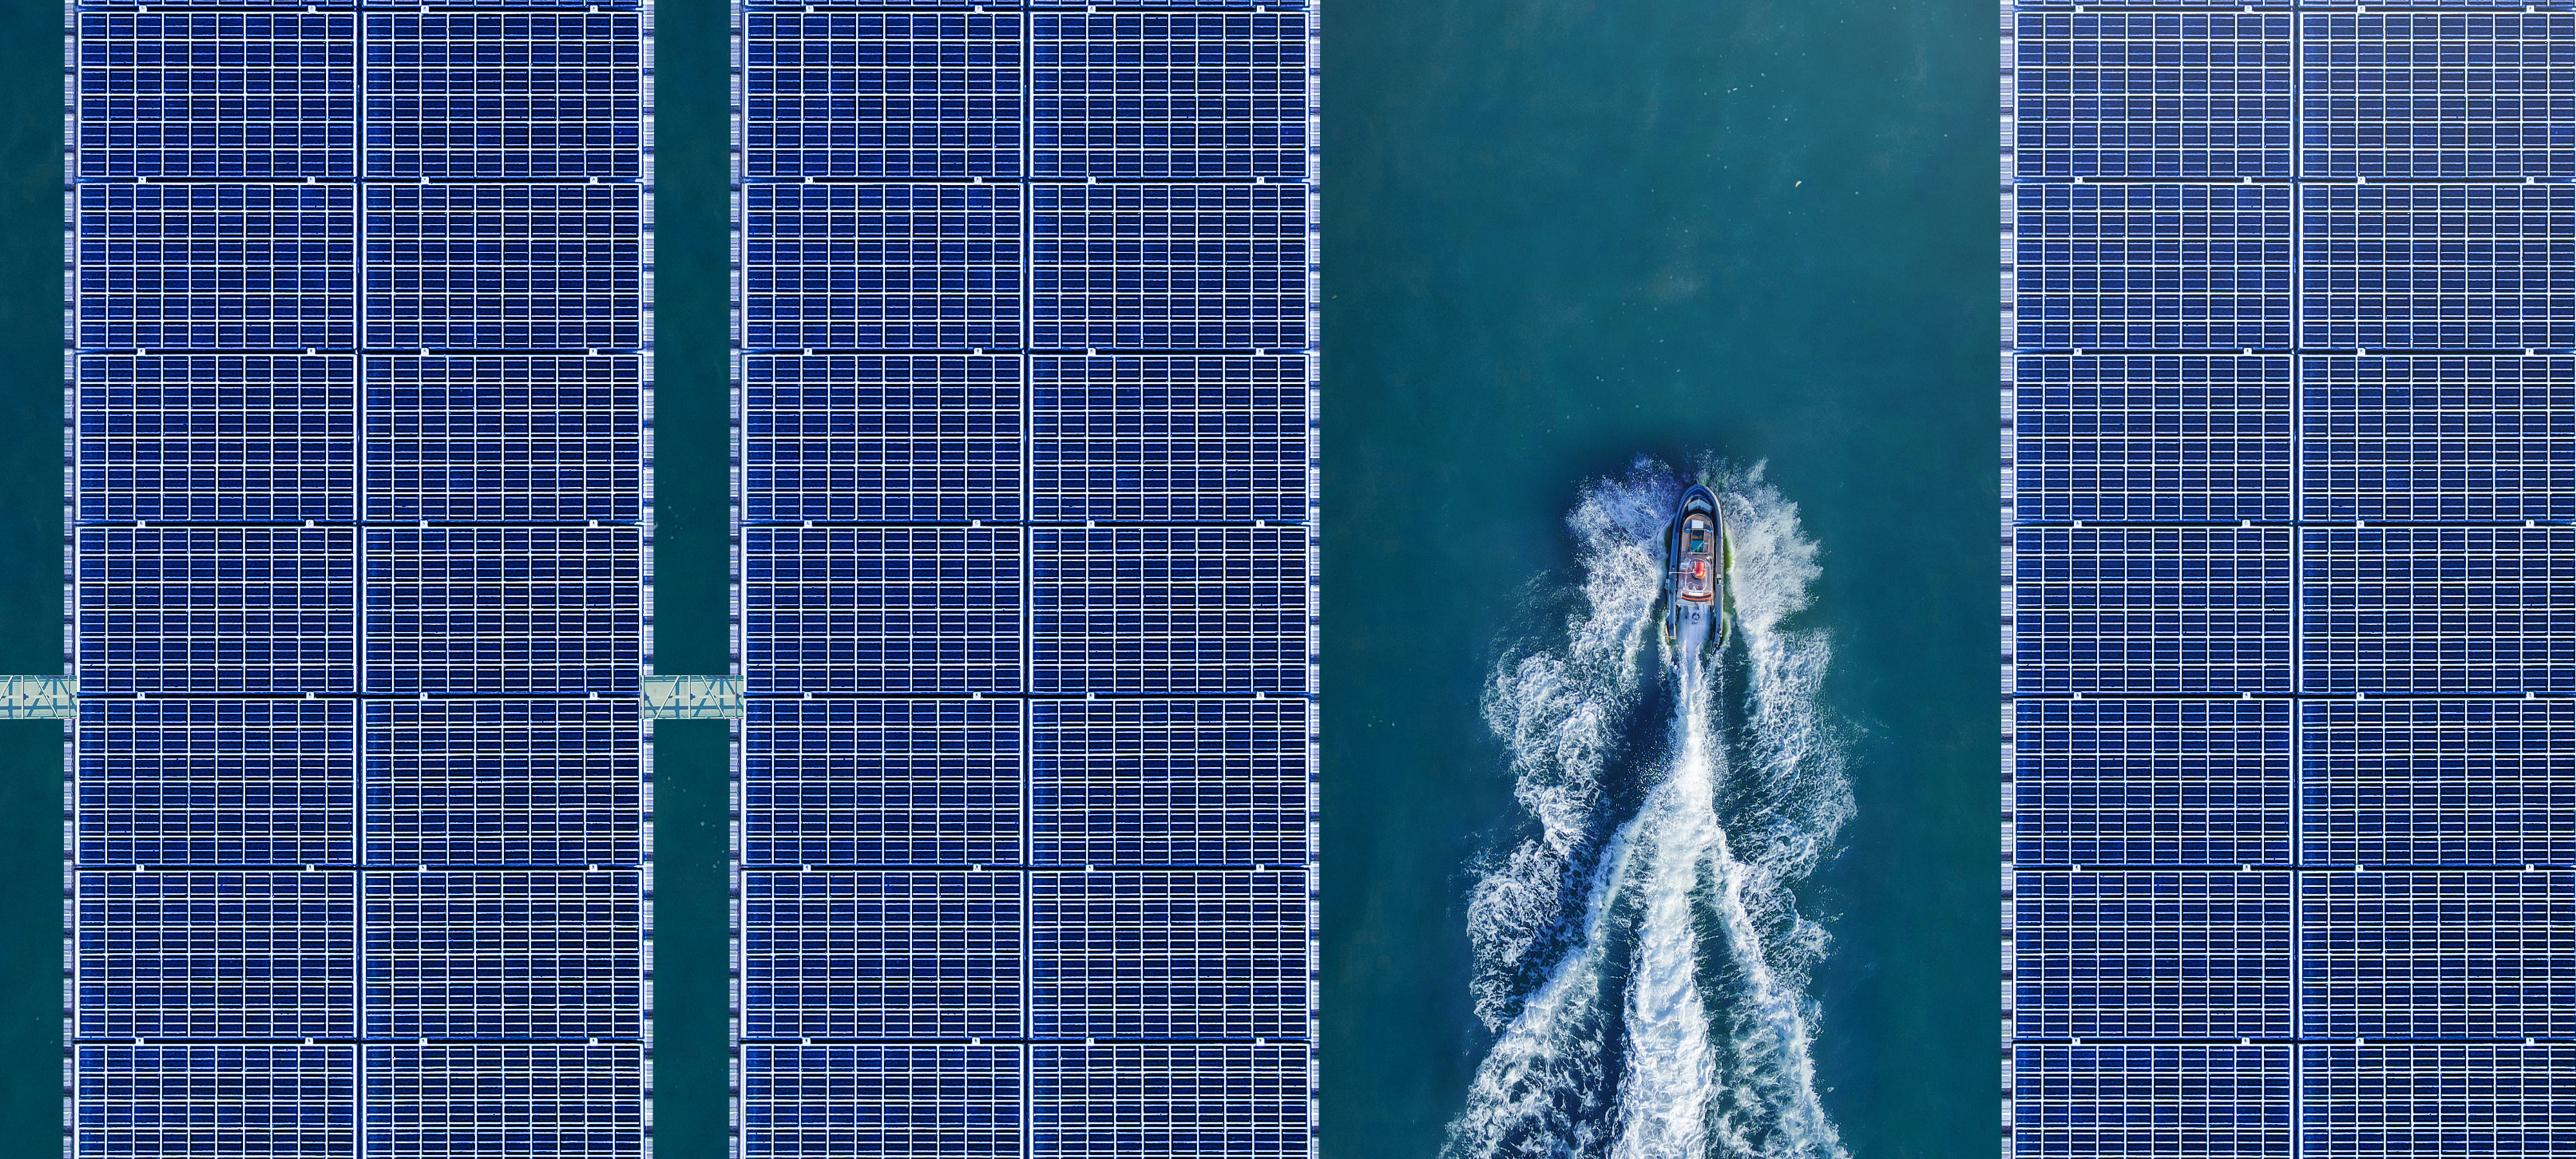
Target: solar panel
(215, 610)
(536, 1099)
(1177, 95)
(1170, 782)
(1169, 953)
(253, 1100)
(504, 953)
(2438, 782)
(504, 782)
(2404, 1099)
(505, 266)
(212, 94)
(1024, 587)
(1172, 1099)
(2433, 609)
(1170, 438)
(505, 438)
(2152, 954)
(517, 610)
(215, 782)
(2454, 437)
(2082, 1100)
(216, 438)
(2152, 610)
(2291, 597)
(2437, 267)
(214, 267)
(204, 953)
(881, 94)
(882, 782)
(881, 437)
(1170, 610)
(881, 954)
(2151, 782)
(881, 267)
(2152, 266)
(2190, 438)
(2438, 95)
(881, 610)
(527, 96)
(1168, 267)
(2190, 95)
(889, 1099)
(2463, 953)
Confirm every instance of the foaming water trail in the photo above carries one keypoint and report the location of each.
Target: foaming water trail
(1647, 975)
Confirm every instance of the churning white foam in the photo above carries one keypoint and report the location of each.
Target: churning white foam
(1685, 911)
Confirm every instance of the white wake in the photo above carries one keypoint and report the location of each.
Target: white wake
(1645, 974)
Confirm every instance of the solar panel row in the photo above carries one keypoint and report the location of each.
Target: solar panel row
(1025, 580)
(2287, 639)
(359, 379)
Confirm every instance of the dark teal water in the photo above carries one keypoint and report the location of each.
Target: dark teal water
(1558, 235)
(1561, 233)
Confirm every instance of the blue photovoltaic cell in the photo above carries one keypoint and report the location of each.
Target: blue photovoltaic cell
(2493, 1099)
(2151, 954)
(869, 437)
(216, 782)
(2151, 782)
(2476, 610)
(2152, 610)
(2438, 782)
(881, 610)
(1169, 953)
(2200, 1100)
(880, 94)
(528, 611)
(505, 782)
(254, 1101)
(2438, 267)
(2151, 438)
(1168, 267)
(521, 438)
(211, 94)
(2155, 267)
(212, 438)
(221, 610)
(2152, 94)
(881, 954)
(1169, 95)
(1169, 437)
(2438, 954)
(881, 1100)
(1211, 610)
(504, 953)
(505, 266)
(216, 267)
(1112, 1101)
(2453, 437)
(881, 267)
(2438, 95)
(881, 782)
(527, 96)
(1169, 782)
(539, 1100)
(199, 953)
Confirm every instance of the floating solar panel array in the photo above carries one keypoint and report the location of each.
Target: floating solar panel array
(1025, 584)
(359, 364)
(2289, 542)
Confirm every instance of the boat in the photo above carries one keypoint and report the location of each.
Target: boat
(1694, 583)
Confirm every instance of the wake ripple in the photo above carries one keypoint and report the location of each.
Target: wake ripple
(1646, 975)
